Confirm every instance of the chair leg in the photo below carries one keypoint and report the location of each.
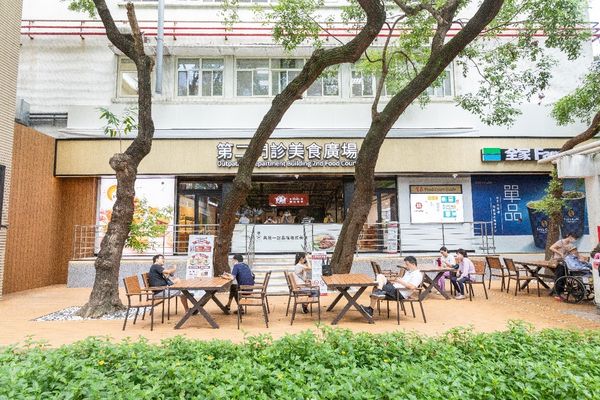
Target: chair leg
(413, 309)
(287, 310)
(177, 302)
(264, 309)
(239, 315)
(508, 285)
(136, 314)
(517, 285)
(388, 308)
(490, 280)
(267, 301)
(143, 313)
(538, 287)
(152, 318)
(469, 288)
(397, 312)
(169, 308)
(485, 291)
(126, 316)
(423, 310)
(294, 312)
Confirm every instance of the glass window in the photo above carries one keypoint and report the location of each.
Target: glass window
(445, 88)
(191, 73)
(328, 84)
(127, 78)
(284, 71)
(363, 84)
(252, 77)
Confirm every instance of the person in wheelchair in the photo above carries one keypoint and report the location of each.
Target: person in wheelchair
(573, 264)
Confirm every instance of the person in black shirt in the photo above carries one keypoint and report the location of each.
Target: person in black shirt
(242, 274)
(160, 276)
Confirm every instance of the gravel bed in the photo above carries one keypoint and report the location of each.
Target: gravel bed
(68, 314)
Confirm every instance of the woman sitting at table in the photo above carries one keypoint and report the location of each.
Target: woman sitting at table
(302, 272)
(465, 269)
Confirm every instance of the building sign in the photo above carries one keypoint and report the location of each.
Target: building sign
(279, 238)
(436, 204)
(494, 154)
(294, 154)
(288, 200)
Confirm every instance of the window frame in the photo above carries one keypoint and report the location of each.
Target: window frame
(120, 70)
(200, 71)
(272, 70)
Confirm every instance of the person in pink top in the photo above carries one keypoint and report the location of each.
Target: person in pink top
(465, 269)
(445, 261)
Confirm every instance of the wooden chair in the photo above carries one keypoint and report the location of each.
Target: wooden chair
(388, 273)
(478, 278)
(260, 283)
(411, 300)
(302, 296)
(253, 296)
(145, 298)
(519, 275)
(496, 269)
(146, 282)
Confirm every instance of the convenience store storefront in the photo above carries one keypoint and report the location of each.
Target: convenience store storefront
(421, 183)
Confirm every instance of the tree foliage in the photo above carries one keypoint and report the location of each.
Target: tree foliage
(583, 102)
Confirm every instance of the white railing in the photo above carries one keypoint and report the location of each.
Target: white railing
(250, 239)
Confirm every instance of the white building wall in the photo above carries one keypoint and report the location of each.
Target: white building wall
(67, 73)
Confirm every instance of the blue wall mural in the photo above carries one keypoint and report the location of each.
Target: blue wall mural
(503, 199)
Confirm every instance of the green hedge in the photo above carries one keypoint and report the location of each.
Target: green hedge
(331, 364)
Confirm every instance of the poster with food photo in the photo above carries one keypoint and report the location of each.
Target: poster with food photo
(200, 256)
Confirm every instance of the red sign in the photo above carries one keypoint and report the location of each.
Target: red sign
(288, 200)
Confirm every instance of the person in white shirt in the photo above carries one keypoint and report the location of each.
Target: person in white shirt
(465, 269)
(302, 272)
(244, 219)
(445, 261)
(387, 287)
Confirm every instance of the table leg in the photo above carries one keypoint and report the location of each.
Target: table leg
(335, 301)
(198, 305)
(433, 284)
(352, 301)
(218, 302)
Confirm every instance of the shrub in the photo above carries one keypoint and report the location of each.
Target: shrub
(331, 364)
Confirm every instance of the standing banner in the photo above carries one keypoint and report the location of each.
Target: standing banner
(318, 258)
(392, 237)
(200, 257)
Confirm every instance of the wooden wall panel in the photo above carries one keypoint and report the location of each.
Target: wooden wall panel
(43, 211)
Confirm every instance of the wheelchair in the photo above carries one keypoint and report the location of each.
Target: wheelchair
(577, 286)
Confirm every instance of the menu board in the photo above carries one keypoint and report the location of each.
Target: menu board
(428, 207)
(318, 258)
(200, 257)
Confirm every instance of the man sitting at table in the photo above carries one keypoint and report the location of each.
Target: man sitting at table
(386, 288)
(243, 276)
(160, 276)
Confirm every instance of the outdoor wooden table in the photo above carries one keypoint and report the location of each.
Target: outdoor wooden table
(534, 267)
(430, 283)
(342, 283)
(210, 286)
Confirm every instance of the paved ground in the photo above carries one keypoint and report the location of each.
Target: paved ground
(18, 310)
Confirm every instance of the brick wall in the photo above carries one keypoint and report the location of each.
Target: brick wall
(10, 25)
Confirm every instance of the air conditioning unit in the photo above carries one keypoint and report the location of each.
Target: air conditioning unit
(22, 113)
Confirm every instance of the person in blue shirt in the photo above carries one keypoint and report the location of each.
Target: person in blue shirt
(243, 276)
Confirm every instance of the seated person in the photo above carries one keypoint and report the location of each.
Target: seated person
(560, 248)
(301, 275)
(386, 288)
(574, 263)
(464, 271)
(243, 276)
(328, 219)
(159, 276)
(445, 261)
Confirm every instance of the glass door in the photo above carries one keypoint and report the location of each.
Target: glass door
(197, 211)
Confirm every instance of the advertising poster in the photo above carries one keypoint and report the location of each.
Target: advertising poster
(324, 236)
(279, 238)
(318, 258)
(154, 199)
(200, 257)
(392, 238)
(436, 204)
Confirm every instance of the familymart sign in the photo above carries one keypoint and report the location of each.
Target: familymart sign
(294, 154)
(495, 154)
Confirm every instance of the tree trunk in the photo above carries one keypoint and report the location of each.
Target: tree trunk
(105, 293)
(382, 123)
(320, 59)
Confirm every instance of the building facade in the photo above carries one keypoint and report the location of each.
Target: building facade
(10, 20)
(442, 176)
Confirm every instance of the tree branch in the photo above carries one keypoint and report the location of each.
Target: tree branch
(121, 41)
(138, 40)
(589, 133)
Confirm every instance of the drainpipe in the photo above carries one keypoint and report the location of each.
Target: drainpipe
(160, 34)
